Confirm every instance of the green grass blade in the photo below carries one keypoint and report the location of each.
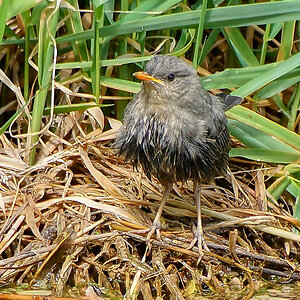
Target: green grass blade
(278, 186)
(255, 138)
(48, 26)
(74, 25)
(11, 120)
(294, 189)
(275, 28)
(287, 40)
(265, 44)
(4, 6)
(278, 71)
(257, 121)
(266, 155)
(181, 49)
(237, 77)
(294, 108)
(199, 34)
(65, 109)
(18, 7)
(104, 63)
(277, 86)
(241, 47)
(296, 213)
(98, 22)
(120, 84)
(232, 16)
(208, 45)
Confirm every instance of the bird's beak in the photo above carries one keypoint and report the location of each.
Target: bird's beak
(146, 77)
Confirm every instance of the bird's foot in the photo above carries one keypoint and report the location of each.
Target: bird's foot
(155, 228)
(201, 243)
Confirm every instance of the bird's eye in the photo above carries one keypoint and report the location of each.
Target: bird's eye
(171, 77)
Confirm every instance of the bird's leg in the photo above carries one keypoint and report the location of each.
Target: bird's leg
(156, 225)
(198, 234)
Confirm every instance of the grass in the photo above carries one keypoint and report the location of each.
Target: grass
(65, 73)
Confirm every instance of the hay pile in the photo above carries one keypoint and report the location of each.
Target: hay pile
(74, 224)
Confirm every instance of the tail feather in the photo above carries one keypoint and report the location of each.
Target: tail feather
(229, 101)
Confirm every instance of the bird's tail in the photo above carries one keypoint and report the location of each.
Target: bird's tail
(229, 101)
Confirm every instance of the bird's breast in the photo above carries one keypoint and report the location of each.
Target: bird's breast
(172, 146)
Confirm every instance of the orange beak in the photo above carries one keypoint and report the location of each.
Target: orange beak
(144, 76)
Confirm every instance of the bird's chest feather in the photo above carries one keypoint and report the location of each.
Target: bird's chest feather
(163, 134)
(167, 143)
(171, 145)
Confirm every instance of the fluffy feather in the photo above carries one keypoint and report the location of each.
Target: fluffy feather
(175, 131)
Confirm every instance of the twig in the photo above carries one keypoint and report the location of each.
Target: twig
(289, 275)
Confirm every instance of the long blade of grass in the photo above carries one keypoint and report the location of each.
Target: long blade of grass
(104, 63)
(18, 7)
(120, 84)
(98, 22)
(231, 16)
(265, 125)
(278, 186)
(277, 86)
(255, 138)
(45, 55)
(241, 47)
(64, 109)
(199, 33)
(237, 77)
(265, 44)
(266, 155)
(294, 107)
(208, 45)
(279, 70)
(4, 6)
(286, 40)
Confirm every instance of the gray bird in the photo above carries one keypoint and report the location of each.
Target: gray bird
(175, 130)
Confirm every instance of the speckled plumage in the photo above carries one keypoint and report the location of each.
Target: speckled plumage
(176, 131)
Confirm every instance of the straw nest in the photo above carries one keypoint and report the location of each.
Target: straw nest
(74, 222)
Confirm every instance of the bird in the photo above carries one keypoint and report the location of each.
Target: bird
(176, 131)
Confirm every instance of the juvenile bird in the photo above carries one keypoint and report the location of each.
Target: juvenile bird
(175, 130)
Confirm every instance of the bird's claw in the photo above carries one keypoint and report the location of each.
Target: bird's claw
(155, 228)
(201, 244)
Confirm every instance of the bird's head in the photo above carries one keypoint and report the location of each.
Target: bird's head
(167, 78)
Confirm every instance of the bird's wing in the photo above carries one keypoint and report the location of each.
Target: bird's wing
(229, 101)
(216, 125)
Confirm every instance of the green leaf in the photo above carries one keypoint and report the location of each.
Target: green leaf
(232, 16)
(120, 84)
(275, 28)
(208, 45)
(241, 47)
(48, 26)
(279, 186)
(255, 138)
(259, 122)
(265, 78)
(266, 155)
(296, 213)
(98, 3)
(4, 6)
(17, 7)
(294, 189)
(146, 9)
(64, 109)
(287, 40)
(277, 86)
(104, 63)
(199, 34)
(237, 77)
